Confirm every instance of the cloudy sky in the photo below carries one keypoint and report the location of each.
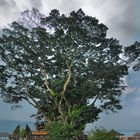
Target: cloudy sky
(123, 20)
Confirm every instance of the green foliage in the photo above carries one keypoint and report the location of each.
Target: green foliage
(22, 133)
(102, 134)
(58, 63)
(60, 131)
(75, 113)
(132, 52)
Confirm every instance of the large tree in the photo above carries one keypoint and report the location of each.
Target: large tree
(64, 66)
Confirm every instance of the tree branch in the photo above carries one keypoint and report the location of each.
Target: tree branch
(95, 100)
(47, 84)
(34, 105)
(33, 21)
(68, 78)
(46, 81)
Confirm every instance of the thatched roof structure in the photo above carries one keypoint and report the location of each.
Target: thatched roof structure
(137, 134)
(4, 134)
(116, 133)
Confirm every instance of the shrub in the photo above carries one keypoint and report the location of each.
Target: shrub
(61, 131)
(22, 133)
(102, 134)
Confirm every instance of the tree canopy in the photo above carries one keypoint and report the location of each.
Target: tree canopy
(132, 53)
(65, 66)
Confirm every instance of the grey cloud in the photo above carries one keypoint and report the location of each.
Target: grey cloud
(119, 16)
(123, 22)
(7, 9)
(5, 4)
(8, 12)
(36, 3)
(70, 5)
(65, 6)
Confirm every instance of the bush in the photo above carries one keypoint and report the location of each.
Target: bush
(102, 134)
(60, 131)
(22, 133)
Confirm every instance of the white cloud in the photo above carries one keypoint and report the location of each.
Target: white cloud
(130, 90)
(118, 15)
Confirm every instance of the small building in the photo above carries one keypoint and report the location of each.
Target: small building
(127, 138)
(137, 136)
(39, 135)
(4, 136)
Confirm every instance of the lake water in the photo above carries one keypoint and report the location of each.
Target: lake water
(9, 126)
